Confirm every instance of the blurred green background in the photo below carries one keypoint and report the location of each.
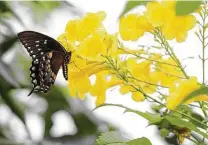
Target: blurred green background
(20, 116)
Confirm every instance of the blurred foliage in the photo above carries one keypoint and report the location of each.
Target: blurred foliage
(15, 81)
(113, 138)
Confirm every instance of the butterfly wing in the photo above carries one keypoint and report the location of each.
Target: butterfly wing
(48, 55)
(39, 44)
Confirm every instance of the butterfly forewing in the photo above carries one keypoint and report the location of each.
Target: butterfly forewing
(48, 56)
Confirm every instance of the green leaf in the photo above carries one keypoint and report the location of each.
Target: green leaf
(164, 132)
(186, 7)
(139, 141)
(132, 4)
(111, 138)
(184, 124)
(152, 118)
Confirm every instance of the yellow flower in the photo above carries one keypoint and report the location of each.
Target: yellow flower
(166, 72)
(101, 85)
(155, 13)
(78, 30)
(77, 63)
(79, 83)
(162, 14)
(92, 48)
(180, 92)
(139, 70)
(178, 27)
(132, 26)
(72, 30)
(137, 96)
(65, 43)
(111, 44)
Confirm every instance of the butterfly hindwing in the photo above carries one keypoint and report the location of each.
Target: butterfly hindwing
(48, 56)
(49, 69)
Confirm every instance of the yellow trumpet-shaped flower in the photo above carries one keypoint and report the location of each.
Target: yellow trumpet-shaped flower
(79, 29)
(133, 26)
(178, 27)
(92, 48)
(179, 93)
(139, 70)
(79, 83)
(111, 44)
(166, 72)
(136, 95)
(101, 85)
(68, 45)
(157, 12)
(163, 15)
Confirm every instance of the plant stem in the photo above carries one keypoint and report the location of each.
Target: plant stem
(163, 42)
(203, 40)
(145, 95)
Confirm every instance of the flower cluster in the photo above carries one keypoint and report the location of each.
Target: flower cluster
(99, 55)
(158, 15)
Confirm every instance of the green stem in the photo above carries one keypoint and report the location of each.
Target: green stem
(147, 96)
(192, 140)
(163, 42)
(203, 40)
(142, 57)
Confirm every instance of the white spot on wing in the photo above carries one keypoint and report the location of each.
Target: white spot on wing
(38, 87)
(35, 81)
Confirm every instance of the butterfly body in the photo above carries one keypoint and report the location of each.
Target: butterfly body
(48, 56)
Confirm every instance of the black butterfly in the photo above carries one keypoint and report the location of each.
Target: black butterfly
(48, 56)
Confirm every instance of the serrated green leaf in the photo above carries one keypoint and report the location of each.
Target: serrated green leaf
(139, 141)
(152, 118)
(130, 4)
(186, 7)
(184, 124)
(164, 132)
(111, 138)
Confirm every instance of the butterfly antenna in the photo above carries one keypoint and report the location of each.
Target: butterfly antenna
(75, 65)
(31, 91)
(66, 43)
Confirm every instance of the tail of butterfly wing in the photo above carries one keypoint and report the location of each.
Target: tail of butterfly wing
(31, 91)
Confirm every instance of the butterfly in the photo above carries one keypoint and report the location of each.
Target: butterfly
(48, 55)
